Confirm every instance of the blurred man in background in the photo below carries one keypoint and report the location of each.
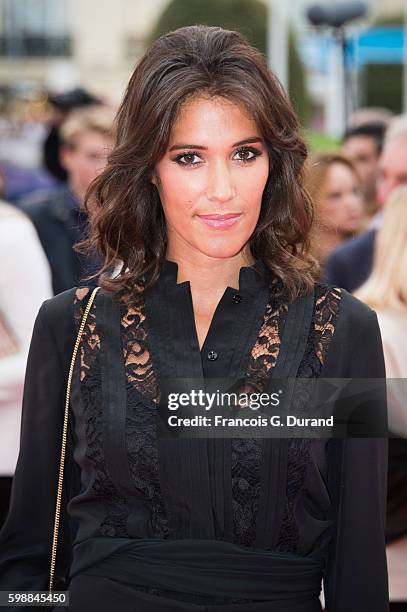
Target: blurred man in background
(363, 146)
(62, 104)
(351, 263)
(59, 218)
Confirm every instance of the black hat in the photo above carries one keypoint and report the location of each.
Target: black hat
(73, 98)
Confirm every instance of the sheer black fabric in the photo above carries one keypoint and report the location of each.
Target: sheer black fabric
(321, 501)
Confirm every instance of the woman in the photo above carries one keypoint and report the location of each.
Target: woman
(335, 188)
(24, 268)
(386, 292)
(202, 202)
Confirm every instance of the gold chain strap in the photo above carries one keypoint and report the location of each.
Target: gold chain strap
(64, 436)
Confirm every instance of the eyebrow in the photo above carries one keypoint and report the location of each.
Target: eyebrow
(251, 139)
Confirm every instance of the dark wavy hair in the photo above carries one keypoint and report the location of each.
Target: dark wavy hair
(127, 220)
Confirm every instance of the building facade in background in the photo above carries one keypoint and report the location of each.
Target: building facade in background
(94, 43)
(64, 43)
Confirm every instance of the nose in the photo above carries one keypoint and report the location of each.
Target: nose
(354, 202)
(221, 186)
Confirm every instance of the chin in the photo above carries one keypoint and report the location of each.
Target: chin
(224, 250)
(354, 229)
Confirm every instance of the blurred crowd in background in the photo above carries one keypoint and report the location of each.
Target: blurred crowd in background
(54, 143)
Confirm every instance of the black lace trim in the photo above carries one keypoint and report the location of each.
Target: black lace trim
(143, 395)
(102, 488)
(140, 424)
(325, 312)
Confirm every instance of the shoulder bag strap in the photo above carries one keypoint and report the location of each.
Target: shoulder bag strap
(64, 439)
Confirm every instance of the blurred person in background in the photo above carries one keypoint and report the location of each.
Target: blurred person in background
(386, 292)
(22, 132)
(20, 182)
(335, 188)
(59, 217)
(351, 263)
(370, 114)
(25, 282)
(62, 105)
(363, 146)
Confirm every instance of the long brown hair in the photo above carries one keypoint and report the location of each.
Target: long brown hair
(127, 221)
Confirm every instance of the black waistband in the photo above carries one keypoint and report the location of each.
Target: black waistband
(206, 567)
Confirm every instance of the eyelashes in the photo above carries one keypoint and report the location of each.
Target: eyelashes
(241, 150)
(253, 150)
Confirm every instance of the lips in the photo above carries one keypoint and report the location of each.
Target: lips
(222, 221)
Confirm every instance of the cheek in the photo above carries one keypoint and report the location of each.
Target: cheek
(84, 169)
(331, 212)
(342, 209)
(250, 187)
(88, 174)
(382, 188)
(96, 166)
(178, 190)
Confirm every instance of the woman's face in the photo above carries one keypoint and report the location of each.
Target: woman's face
(341, 204)
(211, 178)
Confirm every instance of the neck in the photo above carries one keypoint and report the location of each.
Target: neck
(77, 191)
(209, 276)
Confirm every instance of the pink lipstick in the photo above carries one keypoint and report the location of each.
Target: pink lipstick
(222, 221)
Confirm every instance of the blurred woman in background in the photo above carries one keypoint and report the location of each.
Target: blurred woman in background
(25, 282)
(386, 292)
(335, 187)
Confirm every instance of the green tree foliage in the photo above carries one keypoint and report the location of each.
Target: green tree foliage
(382, 84)
(389, 21)
(246, 16)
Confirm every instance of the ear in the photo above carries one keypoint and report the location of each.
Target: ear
(154, 179)
(65, 156)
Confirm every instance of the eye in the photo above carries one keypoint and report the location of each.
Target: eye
(187, 159)
(334, 196)
(248, 154)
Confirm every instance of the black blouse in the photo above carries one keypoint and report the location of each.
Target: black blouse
(315, 503)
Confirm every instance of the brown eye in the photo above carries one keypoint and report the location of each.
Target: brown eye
(247, 154)
(187, 159)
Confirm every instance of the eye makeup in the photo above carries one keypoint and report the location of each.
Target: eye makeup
(254, 151)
